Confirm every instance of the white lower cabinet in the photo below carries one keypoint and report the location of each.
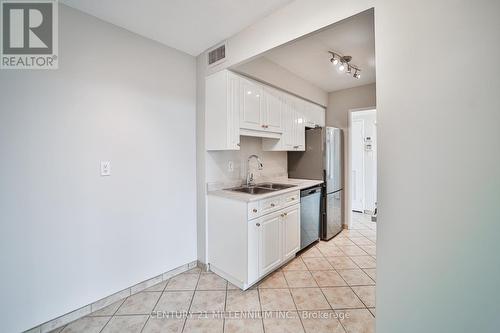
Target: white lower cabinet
(278, 238)
(247, 243)
(269, 234)
(291, 232)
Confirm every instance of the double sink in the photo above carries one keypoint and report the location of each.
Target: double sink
(261, 188)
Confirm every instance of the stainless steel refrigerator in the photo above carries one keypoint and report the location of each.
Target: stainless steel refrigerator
(323, 159)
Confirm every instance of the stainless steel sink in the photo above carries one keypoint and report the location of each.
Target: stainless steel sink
(275, 186)
(251, 190)
(261, 188)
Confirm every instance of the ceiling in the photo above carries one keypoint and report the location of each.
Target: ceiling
(309, 59)
(191, 26)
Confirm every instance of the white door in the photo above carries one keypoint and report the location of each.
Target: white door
(357, 167)
(291, 232)
(251, 105)
(273, 105)
(270, 253)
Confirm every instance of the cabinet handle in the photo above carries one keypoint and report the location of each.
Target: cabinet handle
(257, 224)
(285, 214)
(272, 205)
(254, 210)
(293, 198)
(238, 144)
(263, 126)
(295, 147)
(267, 126)
(282, 215)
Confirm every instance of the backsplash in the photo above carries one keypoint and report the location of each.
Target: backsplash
(217, 162)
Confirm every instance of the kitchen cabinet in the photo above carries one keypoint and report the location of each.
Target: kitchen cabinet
(291, 232)
(222, 112)
(251, 111)
(236, 105)
(270, 252)
(260, 111)
(272, 110)
(293, 137)
(249, 240)
(314, 115)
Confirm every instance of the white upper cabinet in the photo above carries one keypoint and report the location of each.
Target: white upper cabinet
(251, 111)
(293, 137)
(273, 110)
(260, 110)
(236, 105)
(222, 113)
(314, 115)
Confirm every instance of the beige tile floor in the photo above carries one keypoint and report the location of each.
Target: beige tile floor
(328, 288)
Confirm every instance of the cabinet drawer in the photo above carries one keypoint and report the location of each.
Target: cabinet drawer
(270, 205)
(290, 199)
(253, 210)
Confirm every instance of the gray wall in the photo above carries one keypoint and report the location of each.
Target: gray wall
(68, 236)
(337, 115)
(341, 101)
(438, 267)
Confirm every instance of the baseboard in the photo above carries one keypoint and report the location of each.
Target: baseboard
(97, 305)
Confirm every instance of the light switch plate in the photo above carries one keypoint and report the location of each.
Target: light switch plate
(105, 168)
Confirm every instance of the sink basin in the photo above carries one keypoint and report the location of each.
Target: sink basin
(274, 186)
(252, 190)
(261, 188)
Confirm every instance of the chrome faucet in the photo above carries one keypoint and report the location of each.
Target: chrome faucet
(250, 180)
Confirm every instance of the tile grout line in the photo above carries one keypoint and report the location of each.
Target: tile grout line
(191, 303)
(113, 314)
(154, 306)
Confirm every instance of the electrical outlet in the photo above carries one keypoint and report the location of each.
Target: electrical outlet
(230, 166)
(105, 168)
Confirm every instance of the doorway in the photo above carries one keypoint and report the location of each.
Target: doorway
(362, 170)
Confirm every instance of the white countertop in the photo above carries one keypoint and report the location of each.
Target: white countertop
(241, 196)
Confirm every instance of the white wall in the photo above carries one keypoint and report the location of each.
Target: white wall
(269, 72)
(439, 183)
(275, 163)
(337, 115)
(68, 236)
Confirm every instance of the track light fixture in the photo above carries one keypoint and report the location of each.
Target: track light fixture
(344, 62)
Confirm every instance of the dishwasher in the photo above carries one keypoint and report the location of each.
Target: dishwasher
(310, 215)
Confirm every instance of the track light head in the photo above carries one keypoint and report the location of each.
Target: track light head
(344, 62)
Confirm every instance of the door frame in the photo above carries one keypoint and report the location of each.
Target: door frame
(348, 164)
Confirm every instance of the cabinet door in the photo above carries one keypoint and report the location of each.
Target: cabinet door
(288, 135)
(251, 105)
(299, 132)
(291, 232)
(233, 114)
(270, 253)
(273, 105)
